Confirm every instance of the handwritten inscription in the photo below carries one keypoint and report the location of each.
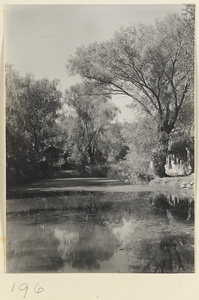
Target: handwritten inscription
(24, 288)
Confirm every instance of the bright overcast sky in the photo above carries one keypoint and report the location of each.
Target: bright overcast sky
(40, 38)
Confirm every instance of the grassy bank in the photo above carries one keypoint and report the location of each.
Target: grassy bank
(178, 182)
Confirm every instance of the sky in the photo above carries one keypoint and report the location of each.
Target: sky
(41, 38)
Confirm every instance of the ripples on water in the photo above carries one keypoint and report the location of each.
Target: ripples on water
(101, 232)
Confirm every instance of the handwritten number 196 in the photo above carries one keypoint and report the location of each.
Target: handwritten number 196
(24, 287)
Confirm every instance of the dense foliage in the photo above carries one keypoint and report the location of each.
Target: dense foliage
(153, 65)
(31, 111)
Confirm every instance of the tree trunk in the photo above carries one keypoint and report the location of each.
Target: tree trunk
(35, 139)
(190, 159)
(91, 152)
(160, 154)
(83, 162)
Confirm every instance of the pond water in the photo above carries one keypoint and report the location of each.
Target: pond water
(101, 232)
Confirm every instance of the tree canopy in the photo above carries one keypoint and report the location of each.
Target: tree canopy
(89, 125)
(151, 64)
(31, 110)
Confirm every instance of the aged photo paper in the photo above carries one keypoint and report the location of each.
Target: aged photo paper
(99, 123)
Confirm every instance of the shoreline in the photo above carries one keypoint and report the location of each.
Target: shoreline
(181, 186)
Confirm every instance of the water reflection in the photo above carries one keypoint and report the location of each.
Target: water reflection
(101, 232)
(181, 207)
(169, 249)
(84, 250)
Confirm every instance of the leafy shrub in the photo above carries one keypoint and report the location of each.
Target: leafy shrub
(134, 169)
(96, 170)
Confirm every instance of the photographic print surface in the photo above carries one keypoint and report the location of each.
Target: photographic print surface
(100, 138)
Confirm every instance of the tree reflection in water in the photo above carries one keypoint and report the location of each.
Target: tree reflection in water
(95, 232)
(176, 246)
(170, 254)
(95, 244)
(33, 250)
(183, 208)
(95, 241)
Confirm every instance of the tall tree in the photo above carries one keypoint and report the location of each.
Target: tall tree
(154, 65)
(89, 125)
(31, 110)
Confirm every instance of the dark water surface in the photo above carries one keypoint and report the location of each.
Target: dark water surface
(101, 232)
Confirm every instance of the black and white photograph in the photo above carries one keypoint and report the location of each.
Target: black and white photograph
(100, 138)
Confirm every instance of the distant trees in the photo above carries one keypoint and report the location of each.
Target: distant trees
(38, 133)
(31, 111)
(140, 136)
(154, 65)
(89, 126)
